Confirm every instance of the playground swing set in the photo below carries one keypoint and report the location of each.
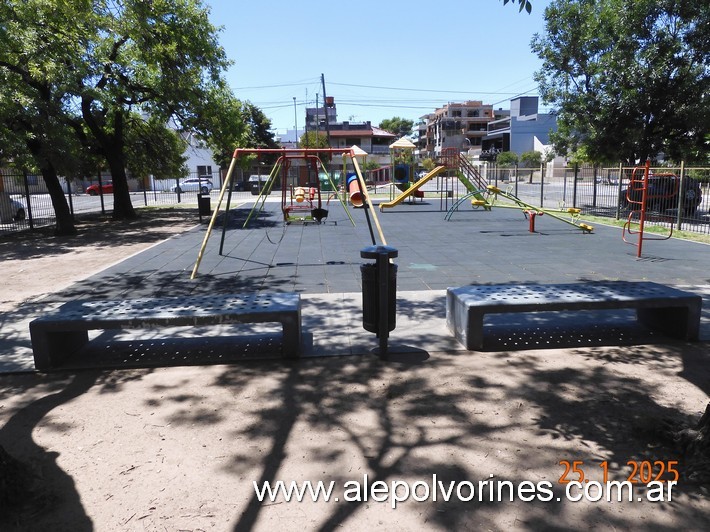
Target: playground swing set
(301, 198)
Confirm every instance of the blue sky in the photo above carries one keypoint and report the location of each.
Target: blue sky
(380, 59)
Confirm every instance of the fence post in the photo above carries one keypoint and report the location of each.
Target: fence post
(618, 192)
(594, 186)
(681, 197)
(71, 202)
(574, 186)
(27, 199)
(101, 194)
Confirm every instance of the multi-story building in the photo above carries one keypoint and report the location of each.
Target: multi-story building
(456, 125)
(523, 130)
(373, 140)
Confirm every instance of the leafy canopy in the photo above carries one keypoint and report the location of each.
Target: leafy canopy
(397, 126)
(628, 80)
(524, 4)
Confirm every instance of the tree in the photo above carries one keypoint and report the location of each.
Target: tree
(39, 131)
(155, 149)
(397, 126)
(108, 76)
(224, 126)
(159, 58)
(428, 164)
(531, 159)
(628, 80)
(313, 139)
(507, 158)
(524, 4)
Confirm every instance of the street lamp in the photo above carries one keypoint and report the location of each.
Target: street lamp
(295, 120)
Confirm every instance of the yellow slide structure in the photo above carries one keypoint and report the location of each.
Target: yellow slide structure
(412, 189)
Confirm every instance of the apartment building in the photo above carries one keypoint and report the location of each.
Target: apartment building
(521, 131)
(456, 125)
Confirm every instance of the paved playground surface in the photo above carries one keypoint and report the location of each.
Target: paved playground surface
(178, 447)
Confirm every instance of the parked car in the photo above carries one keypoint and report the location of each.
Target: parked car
(256, 183)
(193, 184)
(18, 210)
(106, 188)
(663, 193)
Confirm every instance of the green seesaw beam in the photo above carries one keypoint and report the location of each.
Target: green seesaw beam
(553, 213)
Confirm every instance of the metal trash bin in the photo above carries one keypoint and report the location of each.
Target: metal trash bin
(203, 204)
(379, 292)
(371, 297)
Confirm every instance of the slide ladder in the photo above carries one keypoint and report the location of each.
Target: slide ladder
(468, 174)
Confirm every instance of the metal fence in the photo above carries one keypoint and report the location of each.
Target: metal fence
(598, 191)
(27, 204)
(601, 191)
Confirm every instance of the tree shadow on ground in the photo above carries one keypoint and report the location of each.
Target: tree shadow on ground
(595, 408)
(96, 230)
(402, 420)
(50, 500)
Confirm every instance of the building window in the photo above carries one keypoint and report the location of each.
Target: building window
(204, 170)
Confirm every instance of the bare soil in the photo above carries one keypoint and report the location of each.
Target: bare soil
(34, 262)
(180, 448)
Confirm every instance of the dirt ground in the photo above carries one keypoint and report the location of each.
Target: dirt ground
(34, 261)
(181, 448)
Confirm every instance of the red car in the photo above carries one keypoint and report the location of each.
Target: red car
(106, 188)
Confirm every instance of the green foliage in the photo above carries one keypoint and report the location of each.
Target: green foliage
(524, 4)
(313, 139)
(397, 126)
(628, 80)
(258, 128)
(155, 149)
(428, 164)
(531, 159)
(507, 158)
(77, 75)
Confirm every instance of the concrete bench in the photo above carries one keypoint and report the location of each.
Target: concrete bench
(62, 332)
(658, 307)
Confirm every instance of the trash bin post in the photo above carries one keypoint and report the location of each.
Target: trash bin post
(379, 288)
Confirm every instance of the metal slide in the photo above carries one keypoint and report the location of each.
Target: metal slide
(412, 189)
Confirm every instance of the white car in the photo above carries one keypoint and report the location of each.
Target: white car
(18, 210)
(194, 184)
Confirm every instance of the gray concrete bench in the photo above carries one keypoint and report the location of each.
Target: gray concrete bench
(658, 307)
(62, 332)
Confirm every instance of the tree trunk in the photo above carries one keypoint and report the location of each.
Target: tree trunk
(693, 446)
(65, 220)
(122, 205)
(111, 144)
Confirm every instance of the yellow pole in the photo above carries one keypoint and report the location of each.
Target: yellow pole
(367, 199)
(227, 183)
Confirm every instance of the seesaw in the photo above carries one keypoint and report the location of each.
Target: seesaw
(569, 216)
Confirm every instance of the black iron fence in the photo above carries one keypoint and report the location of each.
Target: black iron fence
(599, 191)
(603, 191)
(25, 202)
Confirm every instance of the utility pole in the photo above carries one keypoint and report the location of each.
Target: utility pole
(295, 120)
(325, 109)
